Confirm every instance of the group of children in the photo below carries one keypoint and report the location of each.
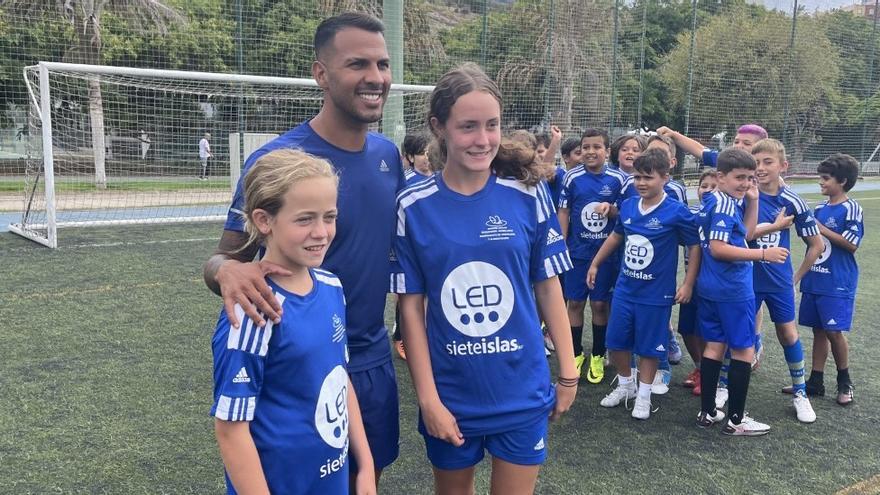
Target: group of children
(494, 241)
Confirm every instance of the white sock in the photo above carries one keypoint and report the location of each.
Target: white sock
(644, 391)
(624, 380)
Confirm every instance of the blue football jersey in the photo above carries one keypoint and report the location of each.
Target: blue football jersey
(836, 273)
(556, 185)
(672, 188)
(476, 259)
(778, 277)
(412, 177)
(368, 183)
(582, 191)
(721, 219)
(290, 382)
(650, 256)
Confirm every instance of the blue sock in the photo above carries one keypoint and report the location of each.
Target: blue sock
(725, 367)
(794, 356)
(632, 361)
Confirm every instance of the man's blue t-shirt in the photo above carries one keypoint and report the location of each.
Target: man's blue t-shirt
(476, 258)
(368, 183)
(289, 382)
(650, 255)
(582, 191)
(672, 188)
(721, 219)
(836, 273)
(778, 277)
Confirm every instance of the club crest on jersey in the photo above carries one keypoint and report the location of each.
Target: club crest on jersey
(338, 328)
(654, 224)
(768, 240)
(383, 167)
(496, 229)
(553, 236)
(831, 223)
(605, 191)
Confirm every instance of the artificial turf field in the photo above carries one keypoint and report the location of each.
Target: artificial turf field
(106, 377)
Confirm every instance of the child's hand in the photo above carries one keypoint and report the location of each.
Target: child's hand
(665, 131)
(775, 254)
(602, 209)
(555, 133)
(683, 294)
(591, 276)
(783, 221)
(441, 424)
(365, 482)
(752, 194)
(564, 399)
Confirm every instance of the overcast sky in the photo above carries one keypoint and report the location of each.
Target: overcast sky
(810, 5)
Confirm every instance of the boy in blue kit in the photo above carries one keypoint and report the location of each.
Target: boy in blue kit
(480, 243)
(778, 206)
(828, 289)
(352, 67)
(414, 151)
(587, 213)
(726, 312)
(653, 226)
(286, 416)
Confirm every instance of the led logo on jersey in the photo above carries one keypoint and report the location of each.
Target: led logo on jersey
(477, 300)
(768, 240)
(826, 253)
(331, 412)
(638, 254)
(593, 221)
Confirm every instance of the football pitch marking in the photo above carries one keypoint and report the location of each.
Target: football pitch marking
(94, 290)
(870, 486)
(118, 244)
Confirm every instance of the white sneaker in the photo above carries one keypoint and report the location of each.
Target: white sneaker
(661, 382)
(748, 427)
(805, 413)
(720, 397)
(705, 420)
(642, 408)
(620, 394)
(548, 344)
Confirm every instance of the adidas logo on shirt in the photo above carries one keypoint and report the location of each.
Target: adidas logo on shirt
(832, 321)
(383, 167)
(540, 444)
(721, 223)
(241, 377)
(627, 221)
(660, 348)
(553, 236)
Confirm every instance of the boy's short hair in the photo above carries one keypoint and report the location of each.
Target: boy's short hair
(844, 169)
(328, 28)
(524, 137)
(415, 144)
(592, 132)
(709, 172)
(543, 139)
(753, 129)
(772, 146)
(665, 140)
(651, 161)
(569, 145)
(619, 142)
(732, 158)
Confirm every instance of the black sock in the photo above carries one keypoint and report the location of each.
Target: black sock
(843, 376)
(577, 336)
(397, 337)
(738, 387)
(599, 340)
(710, 370)
(816, 377)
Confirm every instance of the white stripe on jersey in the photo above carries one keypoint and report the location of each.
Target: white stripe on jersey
(249, 337)
(799, 204)
(718, 236)
(398, 283)
(409, 196)
(680, 190)
(850, 236)
(539, 192)
(557, 264)
(853, 211)
(573, 174)
(725, 204)
(620, 176)
(327, 277)
(409, 173)
(235, 408)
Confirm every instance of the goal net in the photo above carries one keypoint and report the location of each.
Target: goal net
(118, 145)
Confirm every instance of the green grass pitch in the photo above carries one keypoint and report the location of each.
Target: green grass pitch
(106, 375)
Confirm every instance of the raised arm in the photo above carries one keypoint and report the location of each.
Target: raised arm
(687, 144)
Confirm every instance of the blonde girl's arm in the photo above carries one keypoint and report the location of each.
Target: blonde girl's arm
(548, 295)
(240, 457)
(439, 422)
(365, 478)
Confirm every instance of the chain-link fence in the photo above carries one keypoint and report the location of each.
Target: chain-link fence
(806, 71)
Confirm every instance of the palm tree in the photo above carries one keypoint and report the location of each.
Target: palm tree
(85, 18)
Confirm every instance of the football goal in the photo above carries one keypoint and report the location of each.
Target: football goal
(121, 145)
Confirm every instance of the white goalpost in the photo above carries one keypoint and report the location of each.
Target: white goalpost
(126, 146)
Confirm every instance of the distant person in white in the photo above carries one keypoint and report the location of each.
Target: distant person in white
(145, 144)
(204, 154)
